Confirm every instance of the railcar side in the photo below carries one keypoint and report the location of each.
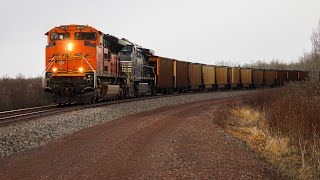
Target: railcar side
(234, 78)
(164, 74)
(222, 77)
(208, 73)
(195, 76)
(269, 77)
(181, 74)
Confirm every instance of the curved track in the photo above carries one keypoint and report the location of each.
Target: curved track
(13, 115)
(19, 115)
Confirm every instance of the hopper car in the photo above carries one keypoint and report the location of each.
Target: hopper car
(234, 78)
(83, 64)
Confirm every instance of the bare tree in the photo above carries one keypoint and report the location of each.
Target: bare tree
(315, 39)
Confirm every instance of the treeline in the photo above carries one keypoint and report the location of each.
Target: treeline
(21, 92)
(308, 62)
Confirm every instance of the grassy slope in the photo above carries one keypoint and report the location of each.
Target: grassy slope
(283, 125)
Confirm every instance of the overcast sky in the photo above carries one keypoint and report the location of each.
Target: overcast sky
(205, 31)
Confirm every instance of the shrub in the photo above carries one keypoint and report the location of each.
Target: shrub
(293, 112)
(20, 92)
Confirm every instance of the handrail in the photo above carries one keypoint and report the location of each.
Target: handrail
(94, 72)
(44, 82)
(51, 62)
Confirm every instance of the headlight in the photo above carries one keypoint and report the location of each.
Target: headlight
(54, 69)
(80, 69)
(70, 46)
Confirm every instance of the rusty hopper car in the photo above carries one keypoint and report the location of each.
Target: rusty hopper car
(221, 77)
(180, 71)
(303, 75)
(208, 72)
(269, 76)
(246, 77)
(257, 77)
(292, 75)
(234, 77)
(164, 73)
(281, 77)
(195, 76)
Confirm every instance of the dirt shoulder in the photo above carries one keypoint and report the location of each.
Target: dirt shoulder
(170, 142)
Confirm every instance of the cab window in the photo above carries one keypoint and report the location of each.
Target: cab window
(126, 49)
(85, 36)
(59, 36)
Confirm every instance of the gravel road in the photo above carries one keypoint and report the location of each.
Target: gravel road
(170, 142)
(31, 134)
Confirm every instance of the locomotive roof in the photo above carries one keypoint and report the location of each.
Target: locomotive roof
(72, 27)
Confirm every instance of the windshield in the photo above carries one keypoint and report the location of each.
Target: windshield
(126, 50)
(59, 36)
(85, 36)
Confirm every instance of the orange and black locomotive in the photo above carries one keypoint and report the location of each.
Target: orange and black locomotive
(84, 64)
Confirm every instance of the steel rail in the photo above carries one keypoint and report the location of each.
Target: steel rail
(25, 109)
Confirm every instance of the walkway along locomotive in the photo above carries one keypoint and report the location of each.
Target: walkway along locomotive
(84, 64)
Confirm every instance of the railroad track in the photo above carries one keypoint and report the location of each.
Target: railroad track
(20, 115)
(12, 115)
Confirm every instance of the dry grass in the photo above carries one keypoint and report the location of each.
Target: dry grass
(20, 92)
(283, 125)
(251, 127)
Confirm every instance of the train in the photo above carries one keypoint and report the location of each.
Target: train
(84, 65)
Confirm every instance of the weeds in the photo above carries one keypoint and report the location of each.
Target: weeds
(283, 125)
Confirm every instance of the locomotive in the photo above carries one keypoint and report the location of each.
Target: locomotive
(83, 64)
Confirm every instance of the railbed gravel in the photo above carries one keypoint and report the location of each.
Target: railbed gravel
(23, 136)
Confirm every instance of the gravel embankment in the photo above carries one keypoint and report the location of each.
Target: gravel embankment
(31, 134)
